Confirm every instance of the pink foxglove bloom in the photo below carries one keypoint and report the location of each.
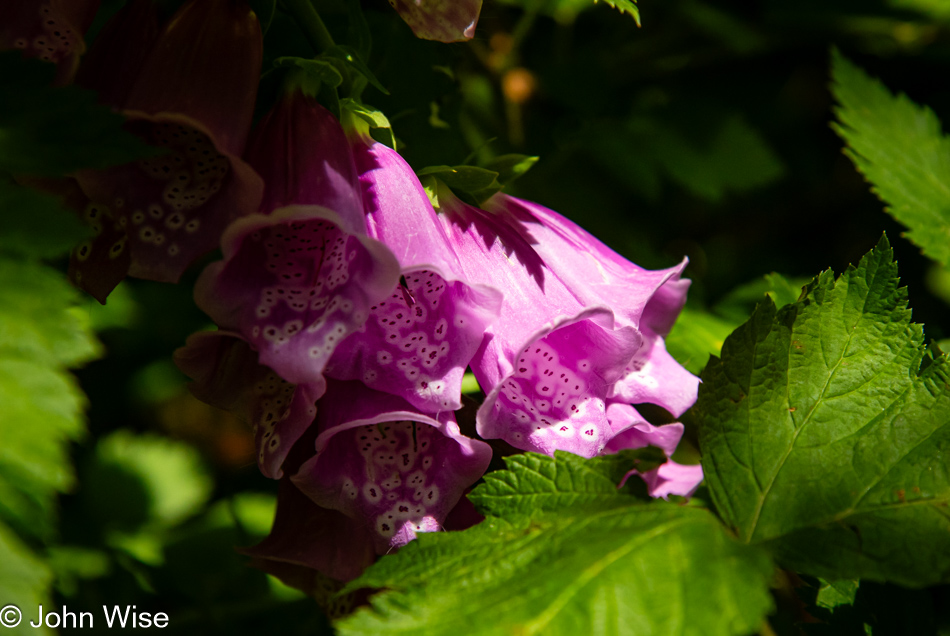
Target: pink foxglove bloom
(194, 96)
(632, 431)
(50, 30)
(227, 374)
(418, 341)
(307, 537)
(550, 361)
(385, 464)
(649, 300)
(442, 20)
(297, 280)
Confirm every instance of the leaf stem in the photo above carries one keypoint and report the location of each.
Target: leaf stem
(311, 23)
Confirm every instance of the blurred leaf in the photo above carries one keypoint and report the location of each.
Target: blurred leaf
(824, 440)
(738, 305)
(566, 11)
(898, 146)
(937, 9)
(831, 594)
(73, 564)
(121, 310)
(158, 382)
(34, 224)
(470, 384)
(24, 581)
(568, 554)
(174, 475)
(697, 335)
(52, 130)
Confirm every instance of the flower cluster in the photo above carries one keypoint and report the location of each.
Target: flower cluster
(349, 308)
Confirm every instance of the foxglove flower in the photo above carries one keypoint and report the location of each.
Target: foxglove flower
(649, 300)
(227, 374)
(50, 31)
(418, 341)
(631, 431)
(442, 20)
(297, 280)
(550, 361)
(304, 535)
(383, 463)
(194, 96)
(116, 57)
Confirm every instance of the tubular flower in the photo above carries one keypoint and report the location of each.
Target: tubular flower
(649, 300)
(295, 281)
(442, 20)
(418, 341)
(194, 97)
(116, 57)
(392, 468)
(227, 374)
(550, 361)
(632, 431)
(50, 31)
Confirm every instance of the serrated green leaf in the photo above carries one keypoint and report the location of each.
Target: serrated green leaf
(53, 130)
(625, 6)
(34, 224)
(544, 484)
(572, 555)
(38, 320)
(898, 146)
(822, 442)
(738, 304)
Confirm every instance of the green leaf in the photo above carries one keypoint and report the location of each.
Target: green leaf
(52, 130)
(34, 224)
(352, 59)
(625, 6)
(910, 169)
(699, 334)
(510, 167)
(24, 581)
(831, 594)
(477, 183)
(375, 118)
(317, 72)
(824, 441)
(569, 553)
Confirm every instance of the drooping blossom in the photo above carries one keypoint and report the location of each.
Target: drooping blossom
(631, 431)
(418, 341)
(194, 97)
(119, 52)
(51, 31)
(550, 361)
(380, 461)
(649, 300)
(228, 375)
(441, 20)
(295, 281)
(306, 537)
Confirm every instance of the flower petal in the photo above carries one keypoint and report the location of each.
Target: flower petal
(672, 479)
(441, 20)
(227, 374)
(295, 285)
(174, 207)
(307, 535)
(380, 461)
(301, 151)
(50, 31)
(556, 397)
(654, 376)
(630, 430)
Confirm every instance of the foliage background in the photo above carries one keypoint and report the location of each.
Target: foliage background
(705, 132)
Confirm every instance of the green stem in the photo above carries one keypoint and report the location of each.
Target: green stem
(309, 20)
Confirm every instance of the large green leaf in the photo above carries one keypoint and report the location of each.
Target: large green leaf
(825, 430)
(563, 551)
(24, 581)
(899, 148)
